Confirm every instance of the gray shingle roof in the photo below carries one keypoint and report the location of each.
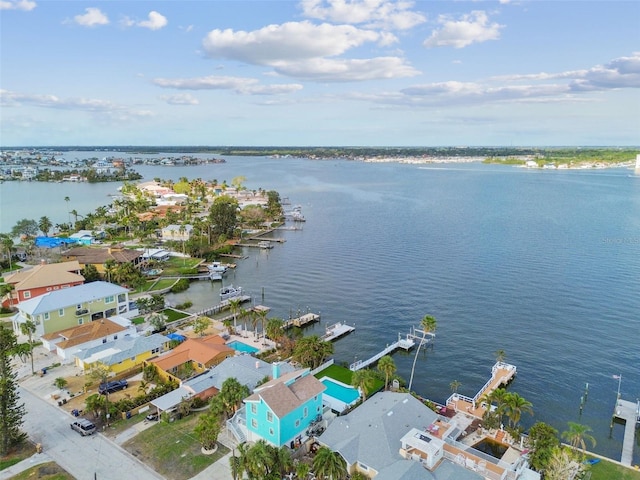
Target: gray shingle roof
(67, 297)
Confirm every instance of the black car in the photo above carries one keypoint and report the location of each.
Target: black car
(111, 387)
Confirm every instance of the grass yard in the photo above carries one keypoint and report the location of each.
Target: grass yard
(173, 315)
(17, 454)
(172, 450)
(608, 471)
(180, 266)
(44, 471)
(344, 375)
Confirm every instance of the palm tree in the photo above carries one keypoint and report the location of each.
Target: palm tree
(329, 465)
(577, 435)
(29, 328)
(259, 460)
(515, 405)
(428, 324)
(67, 199)
(45, 225)
(234, 306)
(455, 385)
(364, 380)
(7, 245)
(500, 355)
(562, 466)
(387, 367)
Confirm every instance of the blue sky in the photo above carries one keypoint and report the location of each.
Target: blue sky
(319, 72)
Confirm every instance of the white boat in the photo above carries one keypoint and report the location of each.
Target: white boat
(265, 244)
(217, 267)
(230, 292)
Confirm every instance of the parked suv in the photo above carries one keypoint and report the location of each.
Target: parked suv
(111, 387)
(83, 426)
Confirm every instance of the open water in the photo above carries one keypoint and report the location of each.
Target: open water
(542, 264)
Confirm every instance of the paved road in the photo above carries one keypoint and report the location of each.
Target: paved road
(93, 457)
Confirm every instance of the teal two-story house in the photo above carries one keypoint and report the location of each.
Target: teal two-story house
(281, 410)
(69, 307)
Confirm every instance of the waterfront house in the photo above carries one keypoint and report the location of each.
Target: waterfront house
(47, 277)
(281, 410)
(178, 233)
(123, 354)
(68, 307)
(192, 357)
(98, 256)
(66, 343)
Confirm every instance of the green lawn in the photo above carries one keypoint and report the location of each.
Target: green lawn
(173, 315)
(137, 320)
(44, 471)
(344, 375)
(172, 450)
(608, 471)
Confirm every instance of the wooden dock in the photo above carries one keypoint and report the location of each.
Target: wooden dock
(630, 413)
(404, 343)
(302, 320)
(221, 306)
(501, 374)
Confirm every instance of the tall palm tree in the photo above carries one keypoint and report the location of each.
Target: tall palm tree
(363, 379)
(329, 465)
(234, 306)
(515, 406)
(455, 385)
(7, 245)
(45, 225)
(427, 324)
(28, 328)
(578, 435)
(67, 199)
(387, 367)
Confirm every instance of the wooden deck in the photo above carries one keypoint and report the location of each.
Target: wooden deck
(302, 320)
(501, 374)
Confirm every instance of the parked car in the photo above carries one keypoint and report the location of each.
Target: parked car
(153, 416)
(83, 426)
(111, 387)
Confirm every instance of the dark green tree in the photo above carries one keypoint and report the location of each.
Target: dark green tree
(45, 225)
(11, 411)
(25, 228)
(90, 273)
(223, 216)
(543, 439)
(312, 351)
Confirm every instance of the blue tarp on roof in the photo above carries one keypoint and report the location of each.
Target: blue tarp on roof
(51, 242)
(175, 336)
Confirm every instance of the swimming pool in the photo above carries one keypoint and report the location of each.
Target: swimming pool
(340, 391)
(242, 347)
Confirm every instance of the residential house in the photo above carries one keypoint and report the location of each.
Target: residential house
(246, 369)
(98, 256)
(68, 307)
(88, 237)
(123, 354)
(281, 410)
(47, 277)
(392, 434)
(192, 357)
(66, 343)
(178, 233)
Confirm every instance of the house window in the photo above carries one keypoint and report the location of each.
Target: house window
(115, 337)
(254, 423)
(61, 312)
(270, 417)
(109, 299)
(363, 467)
(79, 307)
(49, 289)
(79, 321)
(104, 340)
(315, 399)
(297, 423)
(133, 359)
(122, 298)
(27, 294)
(46, 315)
(271, 432)
(305, 413)
(254, 408)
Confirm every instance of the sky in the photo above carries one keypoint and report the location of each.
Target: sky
(319, 73)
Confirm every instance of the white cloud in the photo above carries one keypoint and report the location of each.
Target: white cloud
(103, 108)
(156, 21)
(92, 18)
(471, 28)
(290, 41)
(347, 70)
(241, 85)
(180, 99)
(391, 14)
(300, 50)
(25, 5)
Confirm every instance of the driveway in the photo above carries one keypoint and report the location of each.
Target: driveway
(83, 457)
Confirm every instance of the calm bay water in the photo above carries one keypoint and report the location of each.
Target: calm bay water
(542, 264)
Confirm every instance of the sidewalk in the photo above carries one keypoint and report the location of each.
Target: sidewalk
(26, 464)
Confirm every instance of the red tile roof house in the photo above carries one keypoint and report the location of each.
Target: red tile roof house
(66, 343)
(192, 357)
(33, 282)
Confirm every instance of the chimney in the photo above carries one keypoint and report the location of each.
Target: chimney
(257, 364)
(275, 370)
